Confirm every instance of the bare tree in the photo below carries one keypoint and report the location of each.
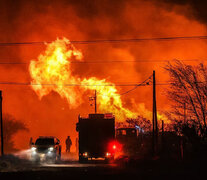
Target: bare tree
(11, 127)
(141, 123)
(188, 92)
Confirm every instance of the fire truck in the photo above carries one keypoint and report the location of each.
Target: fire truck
(128, 137)
(96, 137)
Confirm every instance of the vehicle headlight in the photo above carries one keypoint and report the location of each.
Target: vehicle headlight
(50, 148)
(33, 148)
(85, 154)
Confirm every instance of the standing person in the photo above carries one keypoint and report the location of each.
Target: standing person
(68, 143)
(31, 142)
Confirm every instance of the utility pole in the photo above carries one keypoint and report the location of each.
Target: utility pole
(153, 131)
(154, 117)
(95, 102)
(94, 98)
(2, 137)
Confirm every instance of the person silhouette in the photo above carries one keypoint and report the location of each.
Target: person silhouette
(31, 142)
(68, 143)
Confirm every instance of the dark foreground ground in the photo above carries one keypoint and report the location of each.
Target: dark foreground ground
(122, 168)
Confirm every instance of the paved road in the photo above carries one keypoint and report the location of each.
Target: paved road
(139, 169)
(76, 165)
(72, 170)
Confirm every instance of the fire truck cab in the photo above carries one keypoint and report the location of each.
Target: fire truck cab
(128, 137)
(96, 136)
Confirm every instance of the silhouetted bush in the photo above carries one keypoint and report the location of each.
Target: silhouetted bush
(10, 127)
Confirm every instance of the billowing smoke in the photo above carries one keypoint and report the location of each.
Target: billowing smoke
(32, 21)
(194, 9)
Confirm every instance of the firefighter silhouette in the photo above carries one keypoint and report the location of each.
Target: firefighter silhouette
(31, 142)
(68, 143)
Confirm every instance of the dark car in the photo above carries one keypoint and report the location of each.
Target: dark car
(46, 148)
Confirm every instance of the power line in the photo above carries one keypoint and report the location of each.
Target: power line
(133, 61)
(144, 83)
(73, 85)
(111, 61)
(50, 84)
(132, 40)
(12, 63)
(141, 84)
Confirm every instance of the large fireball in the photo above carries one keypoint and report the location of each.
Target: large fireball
(52, 72)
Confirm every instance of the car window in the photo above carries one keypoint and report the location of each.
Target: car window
(44, 141)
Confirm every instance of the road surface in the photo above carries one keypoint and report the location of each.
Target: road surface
(120, 169)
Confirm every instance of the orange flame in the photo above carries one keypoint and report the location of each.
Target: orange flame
(108, 98)
(52, 72)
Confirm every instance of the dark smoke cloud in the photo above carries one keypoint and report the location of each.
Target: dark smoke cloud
(91, 9)
(45, 20)
(23, 16)
(198, 8)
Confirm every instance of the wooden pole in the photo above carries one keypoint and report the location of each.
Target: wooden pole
(153, 128)
(2, 137)
(95, 102)
(155, 131)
